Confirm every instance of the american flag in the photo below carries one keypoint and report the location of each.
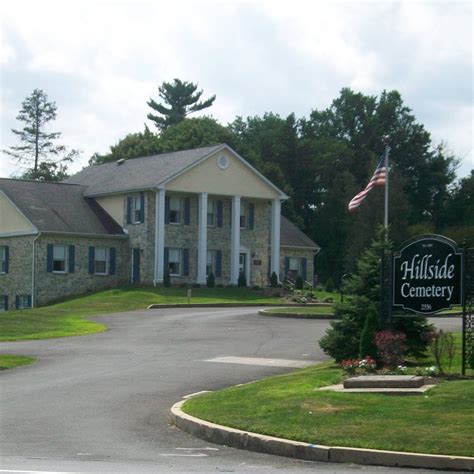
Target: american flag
(378, 179)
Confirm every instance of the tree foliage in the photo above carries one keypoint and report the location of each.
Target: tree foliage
(180, 98)
(354, 332)
(134, 145)
(323, 160)
(38, 152)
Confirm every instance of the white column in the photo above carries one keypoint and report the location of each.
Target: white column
(275, 237)
(159, 235)
(235, 241)
(202, 239)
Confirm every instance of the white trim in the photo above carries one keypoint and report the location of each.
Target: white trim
(275, 237)
(159, 235)
(99, 236)
(107, 260)
(235, 241)
(202, 239)
(315, 249)
(18, 234)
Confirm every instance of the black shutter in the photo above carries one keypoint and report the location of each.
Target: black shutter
(166, 259)
(218, 263)
(72, 259)
(17, 301)
(304, 266)
(185, 262)
(91, 260)
(49, 258)
(230, 214)
(287, 265)
(219, 213)
(129, 209)
(112, 253)
(269, 266)
(7, 258)
(29, 301)
(251, 209)
(142, 207)
(187, 211)
(5, 302)
(167, 210)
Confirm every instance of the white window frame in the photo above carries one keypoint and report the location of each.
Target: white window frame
(3, 259)
(213, 257)
(174, 199)
(2, 303)
(136, 209)
(179, 261)
(106, 250)
(211, 216)
(65, 247)
(244, 214)
(22, 299)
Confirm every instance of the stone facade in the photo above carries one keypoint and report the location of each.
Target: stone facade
(19, 279)
(49, 286)
(253, 241)
(308, 254)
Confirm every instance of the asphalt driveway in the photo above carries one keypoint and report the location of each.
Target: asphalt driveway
(101, 403)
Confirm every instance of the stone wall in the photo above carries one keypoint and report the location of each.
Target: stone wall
(298, 253)
(142, 236)
(18, 280)
(51, 286)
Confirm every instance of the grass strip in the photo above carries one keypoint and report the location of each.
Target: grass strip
(8, 361)
(68, 318)
(288, 406)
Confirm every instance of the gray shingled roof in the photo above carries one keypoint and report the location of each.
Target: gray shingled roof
(59, 207)
(138, 173)
(291, 236)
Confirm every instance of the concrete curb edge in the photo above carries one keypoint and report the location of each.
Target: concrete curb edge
(323, 316)
(231, 305)
(239, 439)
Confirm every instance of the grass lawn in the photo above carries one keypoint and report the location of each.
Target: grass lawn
(68, 318)
(10, 361)
(319, 310)
(288, 406)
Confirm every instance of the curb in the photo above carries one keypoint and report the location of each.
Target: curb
(323, 316)
(239, 439)
(231, 305)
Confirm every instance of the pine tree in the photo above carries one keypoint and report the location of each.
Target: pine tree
(180, 98)
(44, 159)
(346, 338)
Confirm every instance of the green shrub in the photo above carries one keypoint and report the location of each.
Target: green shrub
(211, 282)
(343, 339)
(167, 279)
(196, 285)
(273, 280)
(242, 281)
(299, 283)
(371, 326)
(330, 285)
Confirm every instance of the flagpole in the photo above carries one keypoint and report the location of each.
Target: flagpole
(386, 140)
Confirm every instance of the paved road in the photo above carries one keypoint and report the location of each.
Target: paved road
(101, 403)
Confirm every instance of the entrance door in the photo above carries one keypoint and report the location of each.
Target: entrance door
(243, 265)
(136, 266)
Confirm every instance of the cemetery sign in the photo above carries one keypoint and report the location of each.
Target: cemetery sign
(427, 275)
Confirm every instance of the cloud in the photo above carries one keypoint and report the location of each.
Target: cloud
(101, 61)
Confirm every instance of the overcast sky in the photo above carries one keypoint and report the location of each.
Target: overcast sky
(100, 61)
